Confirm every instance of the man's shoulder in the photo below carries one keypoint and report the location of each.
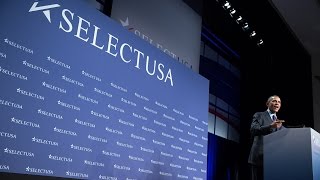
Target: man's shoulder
(260, 113)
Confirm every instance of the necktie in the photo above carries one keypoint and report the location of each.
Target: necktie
(274, 117)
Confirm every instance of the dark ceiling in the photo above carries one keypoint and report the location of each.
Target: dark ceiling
(281, 65)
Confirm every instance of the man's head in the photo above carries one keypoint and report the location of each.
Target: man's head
(274, 103)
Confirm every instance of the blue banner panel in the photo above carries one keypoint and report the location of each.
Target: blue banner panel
(315, 146)
(82, 97)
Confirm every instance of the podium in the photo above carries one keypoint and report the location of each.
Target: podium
(293, 154)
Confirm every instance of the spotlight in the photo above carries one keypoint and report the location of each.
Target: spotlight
(226, 5)
(239, 19)
(232, 12)
(252, 34)
(260, 42)
(245, 26)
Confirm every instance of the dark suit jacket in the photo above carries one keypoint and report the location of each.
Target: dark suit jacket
(260, 126)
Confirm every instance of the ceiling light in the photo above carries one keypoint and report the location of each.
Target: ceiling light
(232, 11)
(245, 26)
(252, 34)
(260, 42)
(226, 5)
(239, 19)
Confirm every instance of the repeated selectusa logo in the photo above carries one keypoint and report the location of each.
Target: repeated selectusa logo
(8, 135)
(77, 174)
(18, 46)
(137, 32)
(4, 167)
(60, 158)
(18, 152)
(45, 141)
(3, 55)
(9, 103)
(39, 170)
(104, 177)
(35, 67)
(25, 123)
(81, 148)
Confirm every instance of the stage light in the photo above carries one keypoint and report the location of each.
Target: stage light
(226, 5)
(245, 26)
(252, 34)
(239, 19)
(232, 12)
(260, 42)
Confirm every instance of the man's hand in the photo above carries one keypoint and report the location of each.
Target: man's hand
(277, 123)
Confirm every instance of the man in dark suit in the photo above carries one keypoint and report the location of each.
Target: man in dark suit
(263, 123)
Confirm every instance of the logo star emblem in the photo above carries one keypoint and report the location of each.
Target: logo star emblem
(44, 9)
(125, 23)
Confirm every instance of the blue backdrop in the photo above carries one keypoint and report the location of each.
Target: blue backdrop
(81, 97)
